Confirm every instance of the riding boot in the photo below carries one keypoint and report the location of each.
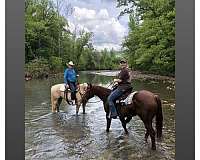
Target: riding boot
(113, 112)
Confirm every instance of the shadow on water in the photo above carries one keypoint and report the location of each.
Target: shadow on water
(67, 136)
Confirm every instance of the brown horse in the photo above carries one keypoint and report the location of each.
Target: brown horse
(144, 104)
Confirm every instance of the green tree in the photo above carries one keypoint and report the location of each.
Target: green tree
(150, 44)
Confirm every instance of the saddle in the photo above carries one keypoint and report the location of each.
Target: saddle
(126, 98)
(69, 96)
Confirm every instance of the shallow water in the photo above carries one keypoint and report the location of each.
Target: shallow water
(67, 136)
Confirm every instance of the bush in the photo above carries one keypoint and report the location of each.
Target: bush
(56, 64)
(38, 68)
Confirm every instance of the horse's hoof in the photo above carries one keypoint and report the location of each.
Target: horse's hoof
(153, 148)
(127, 133)
(107, 130)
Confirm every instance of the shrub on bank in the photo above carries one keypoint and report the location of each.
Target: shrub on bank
(56, 64)
(38, 68)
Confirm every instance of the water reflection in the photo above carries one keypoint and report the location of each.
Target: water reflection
(66, 136)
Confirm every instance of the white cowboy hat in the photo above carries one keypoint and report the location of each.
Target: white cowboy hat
(71, 63)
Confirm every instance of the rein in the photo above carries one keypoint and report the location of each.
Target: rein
(110, 85)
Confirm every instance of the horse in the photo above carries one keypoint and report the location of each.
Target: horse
(144, 104)
(58, 94)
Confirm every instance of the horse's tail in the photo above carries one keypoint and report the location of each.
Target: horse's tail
(159, 117)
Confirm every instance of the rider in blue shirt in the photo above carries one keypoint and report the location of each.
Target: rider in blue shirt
(70, 77)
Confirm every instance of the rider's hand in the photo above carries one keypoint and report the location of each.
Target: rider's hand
(66, 86)
(117, 80)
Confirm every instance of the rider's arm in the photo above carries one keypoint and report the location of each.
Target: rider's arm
(65, 76)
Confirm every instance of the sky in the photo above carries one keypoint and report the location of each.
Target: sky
(100, 18)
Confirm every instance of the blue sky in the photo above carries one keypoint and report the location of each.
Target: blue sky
(99, 17)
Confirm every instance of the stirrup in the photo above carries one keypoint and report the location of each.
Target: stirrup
(113, 117)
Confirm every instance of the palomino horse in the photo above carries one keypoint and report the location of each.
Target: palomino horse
(57, 94)
(144, 104)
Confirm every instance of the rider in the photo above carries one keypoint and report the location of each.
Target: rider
(70, 77)
(123, 81)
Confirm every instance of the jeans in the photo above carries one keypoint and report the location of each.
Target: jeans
(72, 86)
(112, 98)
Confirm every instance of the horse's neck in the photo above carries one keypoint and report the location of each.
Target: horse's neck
(101, 92)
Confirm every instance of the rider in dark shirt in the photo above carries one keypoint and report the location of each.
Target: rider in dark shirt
(123, 85)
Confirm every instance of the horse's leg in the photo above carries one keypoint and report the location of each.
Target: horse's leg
(146, 135)
(108, 122)
(128, 119)
(122, 119)
(78, 103)
(84, 101)
(151, 131)
(83, 108)
(146, 126)
(58, 104)
(54, 105)
(77, 108)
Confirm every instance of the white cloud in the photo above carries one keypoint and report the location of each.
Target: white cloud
(103, 14)
(78, 27)
(82, 14)
(107, 30)
(108, 46)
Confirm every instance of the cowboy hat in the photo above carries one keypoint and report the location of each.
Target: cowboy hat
(70, 63)
(123, 60)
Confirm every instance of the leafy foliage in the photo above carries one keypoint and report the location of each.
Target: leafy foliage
(150, 44)
(38, 68)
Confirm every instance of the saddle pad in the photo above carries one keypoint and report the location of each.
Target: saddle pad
(62, 88)
(128, 99)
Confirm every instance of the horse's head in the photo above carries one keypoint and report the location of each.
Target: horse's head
(89, 91)
(99, 91)
(83, 88)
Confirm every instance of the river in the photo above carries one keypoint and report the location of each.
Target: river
(66, 136)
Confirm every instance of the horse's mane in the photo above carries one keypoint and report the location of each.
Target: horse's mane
(103, 89)
(101, 92)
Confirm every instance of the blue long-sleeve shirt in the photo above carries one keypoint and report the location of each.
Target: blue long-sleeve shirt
(69, 75)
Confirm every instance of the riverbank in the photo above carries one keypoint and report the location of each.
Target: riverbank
(153, 78)
(135, 75)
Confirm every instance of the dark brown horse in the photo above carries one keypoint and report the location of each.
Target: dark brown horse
(144, 104)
